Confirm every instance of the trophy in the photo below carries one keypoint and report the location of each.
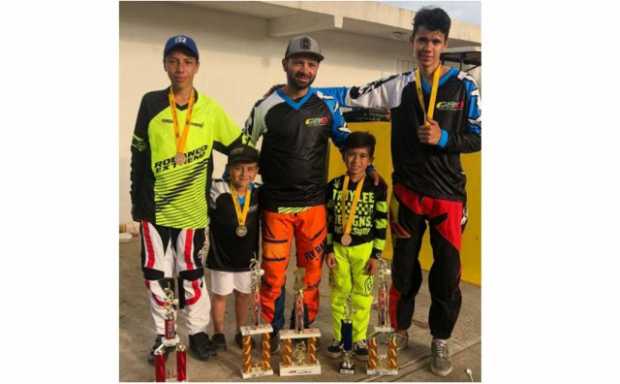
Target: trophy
(251, 369)
(303, 360)
(346, 331)
(385, 363)
(170, 339)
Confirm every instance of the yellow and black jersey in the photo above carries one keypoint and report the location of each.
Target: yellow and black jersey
(370, 221)
(163, 192)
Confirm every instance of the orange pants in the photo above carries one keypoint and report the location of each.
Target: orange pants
(310, 230)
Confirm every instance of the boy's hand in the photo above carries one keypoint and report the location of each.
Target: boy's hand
(429, 133)
(331, 260)
(371, 266)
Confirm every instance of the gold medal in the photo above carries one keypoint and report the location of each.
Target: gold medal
(346, 239)
(241, 230)
(242, 215)
(179, 158)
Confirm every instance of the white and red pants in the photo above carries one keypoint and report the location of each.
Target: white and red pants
(168, 250)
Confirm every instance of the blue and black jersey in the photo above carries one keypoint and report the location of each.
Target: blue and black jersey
(432, 170)
(294, 153)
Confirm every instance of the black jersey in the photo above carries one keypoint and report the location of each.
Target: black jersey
(293, 161)
(227, 251)
(432, 170)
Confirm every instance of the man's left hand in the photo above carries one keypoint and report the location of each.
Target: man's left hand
(429, 133)
(376, 177)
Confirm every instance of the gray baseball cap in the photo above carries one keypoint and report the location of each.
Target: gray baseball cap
(303, 44)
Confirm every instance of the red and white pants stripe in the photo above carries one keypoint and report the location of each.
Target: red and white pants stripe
(169, 251)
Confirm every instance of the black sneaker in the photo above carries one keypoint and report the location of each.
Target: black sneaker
(239, 340)
(201, 347)
(335, 349)
(219, 341)
(360, 350)
(151, 356)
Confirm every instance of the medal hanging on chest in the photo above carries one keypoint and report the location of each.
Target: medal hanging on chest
(346, 238)
(242, 229)
(180, 138)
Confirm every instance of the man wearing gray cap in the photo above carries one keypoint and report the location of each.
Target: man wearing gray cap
(295, 123)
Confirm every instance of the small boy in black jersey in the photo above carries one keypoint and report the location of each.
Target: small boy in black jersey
(357, 224)
(233, 237)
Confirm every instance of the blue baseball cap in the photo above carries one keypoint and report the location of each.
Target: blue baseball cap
(181, 41)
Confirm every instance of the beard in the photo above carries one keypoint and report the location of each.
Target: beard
(296, 84)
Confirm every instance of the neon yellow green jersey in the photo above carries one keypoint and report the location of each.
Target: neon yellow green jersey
(162, 191)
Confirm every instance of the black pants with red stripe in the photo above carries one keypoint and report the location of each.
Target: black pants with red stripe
(409, 214)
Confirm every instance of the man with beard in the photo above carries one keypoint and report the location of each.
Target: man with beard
(295, 123)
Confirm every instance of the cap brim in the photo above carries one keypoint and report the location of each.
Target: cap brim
(315, 55)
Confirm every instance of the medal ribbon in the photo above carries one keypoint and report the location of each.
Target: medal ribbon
(175, 122)
(241, 215)
(418, 87)
(343, 200)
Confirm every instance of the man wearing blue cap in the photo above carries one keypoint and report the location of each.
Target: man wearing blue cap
(171, 165)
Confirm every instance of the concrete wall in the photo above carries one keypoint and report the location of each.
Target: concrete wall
(239, 62)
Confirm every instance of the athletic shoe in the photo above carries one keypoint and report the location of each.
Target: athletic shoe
(201, 347)
(360, 350)
(219, 341)
(402, 339)
(334, 350)
(440, 357)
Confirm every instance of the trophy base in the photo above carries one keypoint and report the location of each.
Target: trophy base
(256, 330)
(382, 371)
(257, 372)
(346, 369)
(383, 329)
(306, 333)
(299, 370)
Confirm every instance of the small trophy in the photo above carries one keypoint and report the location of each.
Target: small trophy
(384, 363)
(251, 369)
(303, 360)
(346, 331)
(170, 339)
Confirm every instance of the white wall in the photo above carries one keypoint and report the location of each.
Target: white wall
(239, 62)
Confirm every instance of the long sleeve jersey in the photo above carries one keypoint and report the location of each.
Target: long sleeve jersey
(432, 170)
(370, 221)
(163, 192)
(294, 153)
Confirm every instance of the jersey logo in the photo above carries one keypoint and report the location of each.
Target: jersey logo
(317, 121)
(450, 105)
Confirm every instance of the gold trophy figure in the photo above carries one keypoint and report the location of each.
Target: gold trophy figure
(170, 339)
(250, 368)
(385, 363)
(302, 360)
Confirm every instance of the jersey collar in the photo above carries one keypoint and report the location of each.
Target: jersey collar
(426, 86)
(296, 105)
